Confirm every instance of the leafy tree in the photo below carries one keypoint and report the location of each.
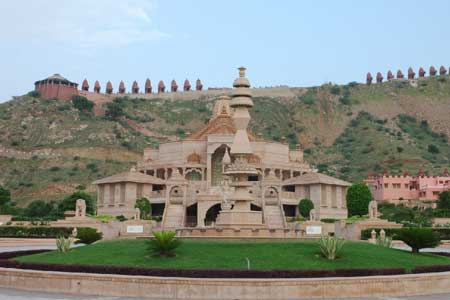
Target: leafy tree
(444, 200)
(358, 198)
(5, 196)
(40, 209)
(418, 238)
(82, 103)
(114, 110)
(69, 202)
(144, 206)
(305, 206)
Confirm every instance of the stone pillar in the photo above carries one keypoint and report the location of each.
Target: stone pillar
(209, 171)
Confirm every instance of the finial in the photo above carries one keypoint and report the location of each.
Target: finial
(242, 71)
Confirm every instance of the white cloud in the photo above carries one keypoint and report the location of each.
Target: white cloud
(80, 24)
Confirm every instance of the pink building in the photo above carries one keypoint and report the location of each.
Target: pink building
(387, 187)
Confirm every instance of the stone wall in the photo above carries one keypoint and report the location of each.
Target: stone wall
(224, 289)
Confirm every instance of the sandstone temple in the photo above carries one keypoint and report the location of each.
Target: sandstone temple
(223, 176)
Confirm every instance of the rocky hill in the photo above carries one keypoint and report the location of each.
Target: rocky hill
(48, 147)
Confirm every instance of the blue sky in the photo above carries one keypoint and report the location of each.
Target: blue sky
(297, 43)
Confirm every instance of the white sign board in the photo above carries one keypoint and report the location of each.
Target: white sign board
(135, 229)
(314, 230)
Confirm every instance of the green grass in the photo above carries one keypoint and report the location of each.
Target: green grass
(220, 254)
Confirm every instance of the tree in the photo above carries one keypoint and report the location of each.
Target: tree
(444, 200)
(418, 238)
(5, 196)
(40, 209)
(114, 110)
(69, 202)
(358, 198)
(433, 149)
(144, 206)
(82, 103)
(305, 206)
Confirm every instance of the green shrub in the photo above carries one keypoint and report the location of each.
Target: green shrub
(418, 238)
(88, 235)
(63, 244)
(34, 94)
(444, 200)
(82, 103)
(305, 206)
(358, 198)
(164, 243)
(330, 246)
(35, 231)
(433, 149)
(121, 218)
(145, 207)
(328, 220)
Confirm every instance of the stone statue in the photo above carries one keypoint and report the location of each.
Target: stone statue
(137, 213)
(74, 232)
(109, 87)
(312, 215)
(186, 86)
(421, 72)
(121, 87)
(379, 77)
(369, 78)
(442, 71)
(148, 86)
(97, 87)
(382, 234)
(80, 208)
(198, 85)
(161, 87)
(135, 87)
(390, 75)
(85, 85)
(400, 74)
(411, 73)
(173, 86)
(373, 234)
(432, 71)
(373, 209)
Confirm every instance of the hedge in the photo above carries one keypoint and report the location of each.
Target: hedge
(34, 231)
(444, 233)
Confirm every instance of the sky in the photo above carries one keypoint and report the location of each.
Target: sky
(295, 43)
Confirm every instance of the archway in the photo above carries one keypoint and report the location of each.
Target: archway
(191, 215)
(216, 165)
(211, 214)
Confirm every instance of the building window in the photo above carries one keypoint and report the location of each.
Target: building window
(435, 193)
(386, 185)
(406, 186)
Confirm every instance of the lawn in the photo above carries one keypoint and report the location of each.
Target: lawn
(221, 254)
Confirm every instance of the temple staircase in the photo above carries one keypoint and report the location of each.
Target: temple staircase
(174, 216)
(273, 216)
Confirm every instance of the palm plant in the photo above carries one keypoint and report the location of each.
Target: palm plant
(330, 246)
(63, 244)
(385, 241)
(164, 243)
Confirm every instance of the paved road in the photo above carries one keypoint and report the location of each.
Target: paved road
(10, 294)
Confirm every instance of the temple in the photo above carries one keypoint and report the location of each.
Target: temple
(223, 176)
(57, 86)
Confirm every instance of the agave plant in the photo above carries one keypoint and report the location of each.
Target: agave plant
(164, 243)
(385, 241)
(330, 246)
(63, 244)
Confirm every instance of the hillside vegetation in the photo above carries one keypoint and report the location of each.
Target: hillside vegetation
(49, 147)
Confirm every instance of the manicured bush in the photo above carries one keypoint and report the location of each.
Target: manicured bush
(34, 231)
(5, 262)
(305, 206)
(418, 238)
(164, 243)
(88, 235)
(330, 246)
(358, 198)
(328, 220)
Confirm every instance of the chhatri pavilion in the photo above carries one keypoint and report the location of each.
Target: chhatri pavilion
(223, 176)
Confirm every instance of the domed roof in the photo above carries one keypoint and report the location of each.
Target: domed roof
(194, 158)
